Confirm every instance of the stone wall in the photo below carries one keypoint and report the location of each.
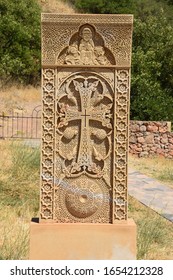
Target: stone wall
(151, 138)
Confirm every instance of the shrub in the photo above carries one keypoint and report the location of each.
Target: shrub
(104, 6)
(20, 41)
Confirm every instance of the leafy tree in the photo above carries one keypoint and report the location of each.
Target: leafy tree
(152, 67)
(145, 8)
(140, 8)
(20, 40)
(104, 6)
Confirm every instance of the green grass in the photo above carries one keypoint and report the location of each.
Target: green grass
(151, 233)
(19, 176)
(154, 233)
(19, 197)
(166, 175)
(157, 167)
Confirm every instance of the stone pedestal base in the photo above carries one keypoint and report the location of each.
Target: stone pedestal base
(83, 241)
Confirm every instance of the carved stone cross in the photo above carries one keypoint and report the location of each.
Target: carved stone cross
(88, 106)
(85, 115)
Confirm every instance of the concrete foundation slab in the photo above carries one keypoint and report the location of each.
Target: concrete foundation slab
(83, 241)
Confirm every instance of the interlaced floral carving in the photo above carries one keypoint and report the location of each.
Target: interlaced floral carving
(82, 43)
(86, 100)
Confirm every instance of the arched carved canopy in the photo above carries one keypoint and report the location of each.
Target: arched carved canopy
(86, 47)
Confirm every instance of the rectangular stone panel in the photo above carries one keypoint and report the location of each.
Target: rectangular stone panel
(85, 117)
(82, 241)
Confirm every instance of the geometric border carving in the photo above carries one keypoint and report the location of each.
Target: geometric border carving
(47, 160)
(121, 144)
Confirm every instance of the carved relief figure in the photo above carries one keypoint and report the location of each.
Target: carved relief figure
(72, 55)
(85, 52)
(100, 56)
(86, 47)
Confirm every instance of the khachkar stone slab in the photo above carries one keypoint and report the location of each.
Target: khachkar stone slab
(86, 63)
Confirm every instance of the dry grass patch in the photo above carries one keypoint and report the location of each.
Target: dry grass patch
(159, 168)
(14, 232)
(56, 6)
(19, 98)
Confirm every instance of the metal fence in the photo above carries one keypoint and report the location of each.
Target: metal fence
(19, 126)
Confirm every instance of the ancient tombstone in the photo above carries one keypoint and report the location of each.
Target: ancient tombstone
(86, 62)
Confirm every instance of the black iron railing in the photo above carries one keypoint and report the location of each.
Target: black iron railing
(19, 126)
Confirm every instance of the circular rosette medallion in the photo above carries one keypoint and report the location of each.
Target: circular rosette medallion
(83, 198)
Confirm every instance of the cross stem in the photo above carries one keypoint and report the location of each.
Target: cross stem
(85, 115)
